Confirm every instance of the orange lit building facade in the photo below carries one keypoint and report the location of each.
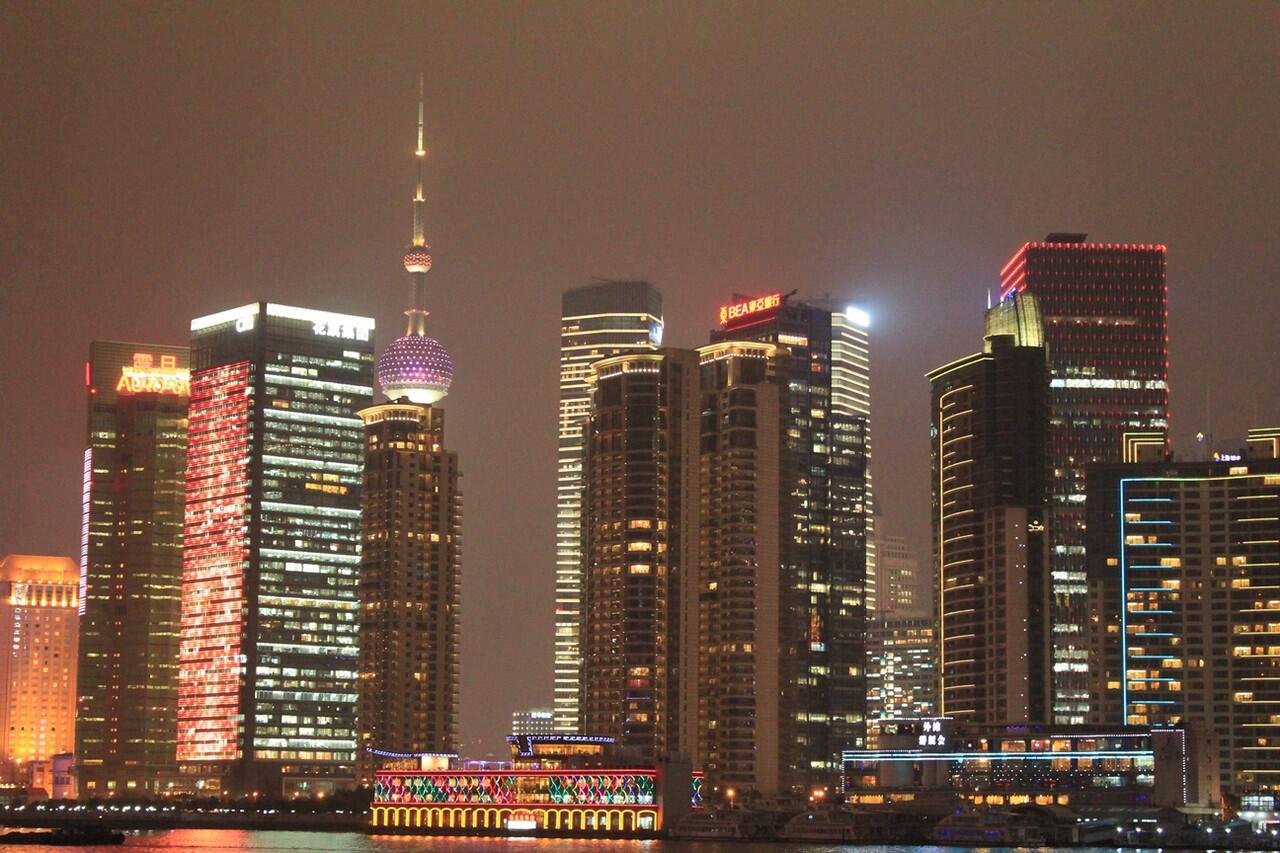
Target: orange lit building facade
(39, 597)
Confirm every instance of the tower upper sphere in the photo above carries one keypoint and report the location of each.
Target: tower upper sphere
(417, 258)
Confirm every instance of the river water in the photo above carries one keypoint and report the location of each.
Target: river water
(263, 841)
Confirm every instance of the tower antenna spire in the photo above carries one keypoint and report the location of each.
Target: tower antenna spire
(417, 259)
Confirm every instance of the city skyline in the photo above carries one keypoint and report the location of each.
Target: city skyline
(294, 208)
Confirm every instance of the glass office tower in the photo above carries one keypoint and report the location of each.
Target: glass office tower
(598, 320)
(131, 568)
(1105, 312)
(268, 662)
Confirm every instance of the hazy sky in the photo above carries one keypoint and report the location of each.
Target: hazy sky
(161, 161)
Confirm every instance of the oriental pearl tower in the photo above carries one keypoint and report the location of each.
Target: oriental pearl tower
(417, 367)
(411, 556)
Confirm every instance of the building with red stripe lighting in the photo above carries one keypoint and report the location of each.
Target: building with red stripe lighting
(270, 600)
(1105, 313)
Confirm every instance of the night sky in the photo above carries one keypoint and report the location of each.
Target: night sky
(163, 161)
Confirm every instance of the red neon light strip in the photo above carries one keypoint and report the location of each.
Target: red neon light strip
(538, 804)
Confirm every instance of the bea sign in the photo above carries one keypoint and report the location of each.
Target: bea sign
(733, 313)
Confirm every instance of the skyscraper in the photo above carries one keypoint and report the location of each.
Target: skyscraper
(1185, 560)
(599, 320)
(988, 431)
(39, 603)
(747, 704)
(267, 679)
(131, 568)
(640, 547)
(410, 578)
(1104, 307)
(824, 511)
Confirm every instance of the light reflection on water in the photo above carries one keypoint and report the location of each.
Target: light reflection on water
(250, 841)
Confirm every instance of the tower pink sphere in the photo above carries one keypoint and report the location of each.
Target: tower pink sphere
(416, 368)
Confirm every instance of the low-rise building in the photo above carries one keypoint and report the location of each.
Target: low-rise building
(999, 765)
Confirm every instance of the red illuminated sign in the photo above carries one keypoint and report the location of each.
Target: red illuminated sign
(733, 313)
(143, 376)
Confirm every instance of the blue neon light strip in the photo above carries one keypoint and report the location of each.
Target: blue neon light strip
(1124, 610)
(993, 756)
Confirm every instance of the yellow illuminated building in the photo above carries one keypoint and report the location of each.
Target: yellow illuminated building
(39, 597)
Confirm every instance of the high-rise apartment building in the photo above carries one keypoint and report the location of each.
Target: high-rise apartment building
(746, 700)
(824, 523)
(989, 424)
(599, 320)
(640, 548)
(39, 611)
(1184, 563)
(268, 670)
(1104, 307)
(410, 586)
(411, 564)
(131, 568)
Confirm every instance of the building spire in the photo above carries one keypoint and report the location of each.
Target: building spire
(417, 259)
(417, 367)
(419, 236)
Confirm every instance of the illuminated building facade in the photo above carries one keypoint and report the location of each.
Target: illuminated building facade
(598, 320)
(819, 368)
(902, 674)
(1186, 559)
(901, 635)
(640, 549)
(131, 568)
(39, 612)
(996, 765)
(555, 786)
(1105, 318)
(411, 563)
(744, 696)
(992, 608)
(410, 585)
(270, 599)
